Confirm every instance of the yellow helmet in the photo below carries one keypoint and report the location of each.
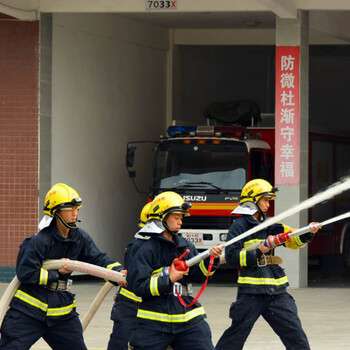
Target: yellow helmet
(166, 203)
(255, 189)
(61, 196)
(144, 214)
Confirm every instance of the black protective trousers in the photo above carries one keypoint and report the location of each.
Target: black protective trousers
(281, 313)
(20, 331)
(197, 337)
(124, 319)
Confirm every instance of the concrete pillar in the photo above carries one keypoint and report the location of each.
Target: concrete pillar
(169, 80)
(45, 115)
(294, 32)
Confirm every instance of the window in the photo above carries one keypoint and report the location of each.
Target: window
(179, 164)
(261, 166)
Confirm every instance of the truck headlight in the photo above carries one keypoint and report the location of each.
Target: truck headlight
(223, 237)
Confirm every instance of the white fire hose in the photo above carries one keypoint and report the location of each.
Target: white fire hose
(72, 265)
(330, 192)
(96, 304)
(301, 231)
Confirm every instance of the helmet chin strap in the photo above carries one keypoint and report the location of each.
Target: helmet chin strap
(175, 233)
(262, 216)
(70, 225)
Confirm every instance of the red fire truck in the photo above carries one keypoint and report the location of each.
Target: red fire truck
(209, 165)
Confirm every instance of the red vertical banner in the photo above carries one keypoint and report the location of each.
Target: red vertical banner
(287, 116)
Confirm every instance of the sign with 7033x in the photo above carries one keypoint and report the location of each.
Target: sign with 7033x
(161, 4)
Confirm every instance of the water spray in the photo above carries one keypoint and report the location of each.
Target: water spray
(330, 192)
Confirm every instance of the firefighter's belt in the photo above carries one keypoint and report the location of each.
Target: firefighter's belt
(269, 260)
(60, 286)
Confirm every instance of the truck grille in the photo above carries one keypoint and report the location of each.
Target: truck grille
(207, 222)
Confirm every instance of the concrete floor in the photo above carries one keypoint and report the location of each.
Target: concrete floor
(325, 314)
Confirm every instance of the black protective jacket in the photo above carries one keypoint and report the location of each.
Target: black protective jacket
(160, 310)
(32, 297)
(254, 279)
(125, 293)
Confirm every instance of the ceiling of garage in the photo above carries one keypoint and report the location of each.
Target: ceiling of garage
(208, 20)
(331, 17)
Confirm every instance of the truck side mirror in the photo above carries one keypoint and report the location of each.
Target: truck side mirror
(130, 159)
(130, 156)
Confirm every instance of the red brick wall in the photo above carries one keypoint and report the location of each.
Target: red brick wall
(19, 134)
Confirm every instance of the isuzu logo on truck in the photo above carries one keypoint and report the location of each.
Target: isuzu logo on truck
(231, 198)
(195, 198)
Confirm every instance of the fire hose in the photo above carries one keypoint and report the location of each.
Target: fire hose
(339, 187)
(72, 265)
(274, 241)
(96, 304)
(330, 192)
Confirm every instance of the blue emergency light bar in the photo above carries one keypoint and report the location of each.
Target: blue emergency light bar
(219, 131)
(182, 131)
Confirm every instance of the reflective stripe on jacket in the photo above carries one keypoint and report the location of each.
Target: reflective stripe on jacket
(160, 309)
(126, 293)
(32, 298)
(129, 295)
(254, 279)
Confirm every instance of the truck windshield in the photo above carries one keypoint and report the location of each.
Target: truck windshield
(205, 166)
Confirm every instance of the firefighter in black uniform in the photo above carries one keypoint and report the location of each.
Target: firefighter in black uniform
(43, 306)
(124, 310)
(261, 282)
(161, 319)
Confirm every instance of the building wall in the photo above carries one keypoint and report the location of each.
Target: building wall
(19, 62)
(108, 88)
(108, 79)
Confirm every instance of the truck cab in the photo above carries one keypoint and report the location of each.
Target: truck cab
(208, 166)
